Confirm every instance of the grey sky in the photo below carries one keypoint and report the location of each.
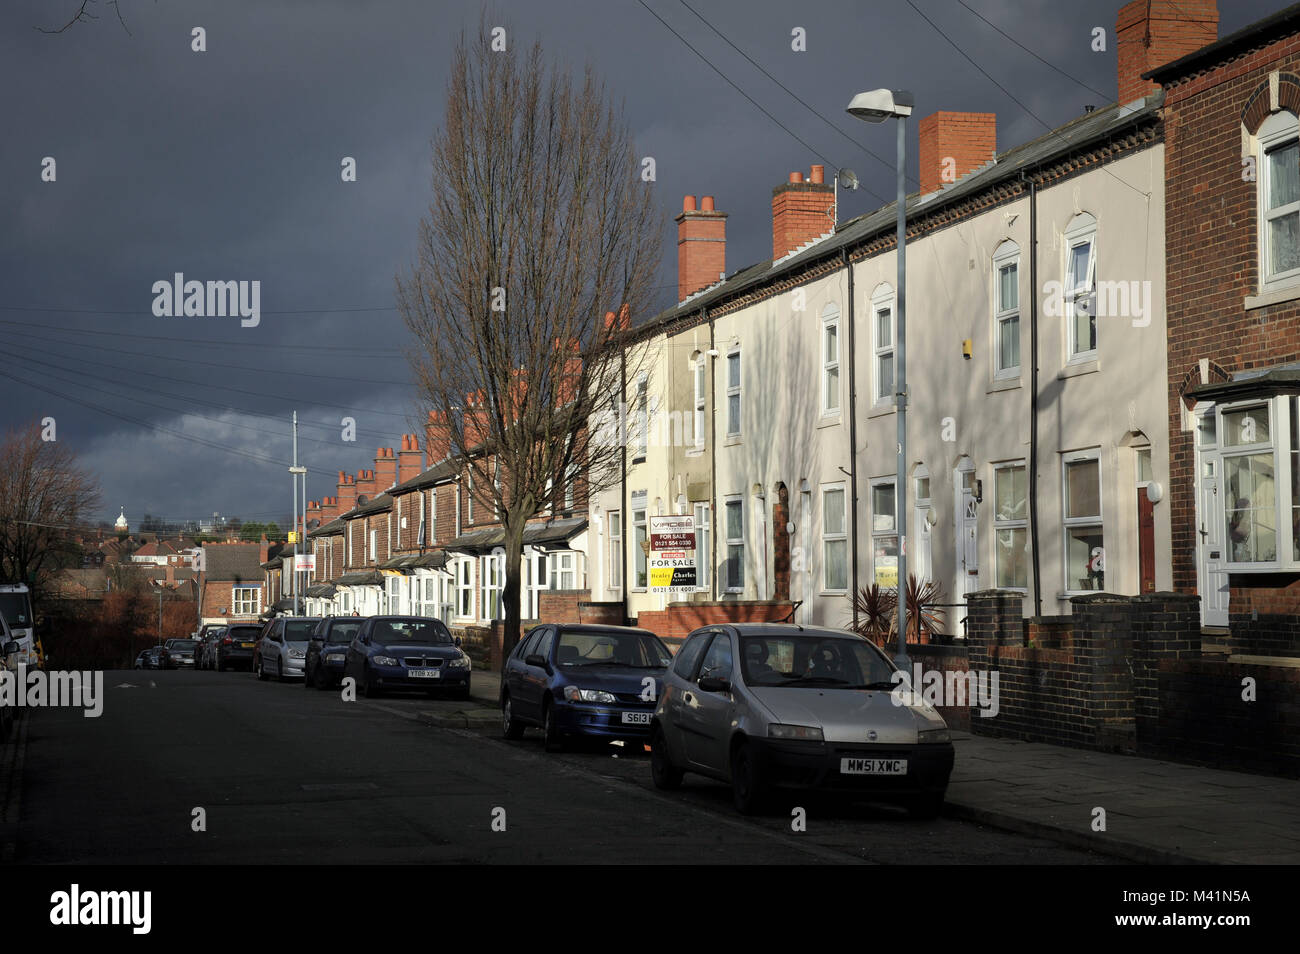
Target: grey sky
(225, 165)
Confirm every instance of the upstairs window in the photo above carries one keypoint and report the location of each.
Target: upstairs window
(701, 382)
(831, 361)
(733, 393)
(1081, 287)
(882, 344)
(1279, 200)
(1006, 311)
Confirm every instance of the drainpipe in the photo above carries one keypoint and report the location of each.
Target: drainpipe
(1033, 394)
(624, 531)
(713, 456)
(853, 443)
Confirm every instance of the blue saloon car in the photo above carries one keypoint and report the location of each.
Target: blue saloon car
(583, 681)
(407, 652)
(327, 651)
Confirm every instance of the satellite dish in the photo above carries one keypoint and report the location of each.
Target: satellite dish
(848, 178)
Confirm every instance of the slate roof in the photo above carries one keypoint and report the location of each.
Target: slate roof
(233, 562)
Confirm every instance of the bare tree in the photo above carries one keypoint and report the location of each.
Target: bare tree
(45, 498)
(541, 231)
(83, 15)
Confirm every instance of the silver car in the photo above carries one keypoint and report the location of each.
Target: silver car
(775, 705)
(282, 650)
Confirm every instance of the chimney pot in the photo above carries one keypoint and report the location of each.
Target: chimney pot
(796, 177)
(706, 203)
(688, 204)
(817, 174)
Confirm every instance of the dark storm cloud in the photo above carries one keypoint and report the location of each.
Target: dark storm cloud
(225, 165)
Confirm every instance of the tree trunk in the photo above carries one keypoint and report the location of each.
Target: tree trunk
(513, 589)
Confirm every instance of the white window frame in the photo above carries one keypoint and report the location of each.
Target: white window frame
(1007, 256)
(245, 600)
(565, 568)
(491, 582)
(469, 497)
(420, 534)
(458, 506)
(614, 521)
(830, 537)
(700, 384)
(1001, 523)
(879, 532)
(1278, 130)
(735, 427)
(642, 418)
(463, 581)
(374, 544)
(737, 543)
(1278, 445)
(1083, 229)
(640, 559)
(883, 300)
(831, 383)
(1067, 523)
(704, 543)
(570, 484)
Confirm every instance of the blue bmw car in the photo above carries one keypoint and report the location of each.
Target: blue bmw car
(407, 652)
(583, 681)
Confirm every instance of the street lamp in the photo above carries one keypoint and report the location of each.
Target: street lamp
(875, 106)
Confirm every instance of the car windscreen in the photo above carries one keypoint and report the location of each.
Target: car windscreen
(343, 632)
(180, 644)
(299, 631)
(410, 631)
(810, 660)
(244, 632)
(16, 609)
(611, 647)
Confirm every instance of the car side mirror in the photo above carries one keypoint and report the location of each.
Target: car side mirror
(11, 647)
(534, 659)
(458, 642)
(715, 684)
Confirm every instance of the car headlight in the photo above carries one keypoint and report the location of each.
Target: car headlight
(384, 661)
(933, 735)
(296, 654)
(804, 733)
(334, 657)
(461, 662)
(574, 694)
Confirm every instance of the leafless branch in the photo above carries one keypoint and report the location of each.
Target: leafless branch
(83, 13)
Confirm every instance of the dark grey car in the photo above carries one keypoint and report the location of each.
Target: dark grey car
(773, 705)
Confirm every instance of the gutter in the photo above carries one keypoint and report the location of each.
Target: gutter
(1033, 395)
(853, 440)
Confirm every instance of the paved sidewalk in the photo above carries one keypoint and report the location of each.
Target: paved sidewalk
(1156, 812)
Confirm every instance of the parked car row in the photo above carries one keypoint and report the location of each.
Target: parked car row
(382, 653)
(761, 706)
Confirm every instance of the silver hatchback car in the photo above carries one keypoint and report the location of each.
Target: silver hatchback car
(282, 650)
(776, 705)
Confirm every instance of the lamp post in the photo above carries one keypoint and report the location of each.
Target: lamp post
(876, 106)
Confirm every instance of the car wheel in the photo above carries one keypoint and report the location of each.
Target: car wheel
(927, 806)
(261, 670)
(368, 687)
(279, 670)
(553, 741)
(511, 727)
(746, 785)
(666, 776)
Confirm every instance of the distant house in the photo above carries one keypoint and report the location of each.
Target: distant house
(233, 582)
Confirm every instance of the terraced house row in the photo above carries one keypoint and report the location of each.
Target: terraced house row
(1103, 345)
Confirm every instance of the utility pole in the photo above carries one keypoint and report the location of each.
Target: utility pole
(294, 471)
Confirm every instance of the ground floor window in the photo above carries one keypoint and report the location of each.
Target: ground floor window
(1085, 555)
(884, 533)
(1010, 525)
(493, 571)
(464, 570)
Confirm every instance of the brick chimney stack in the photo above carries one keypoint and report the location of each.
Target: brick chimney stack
(1145, 40)
(437, 438)
(701, 245)
(801, 210)
(385, 469)
(954, 144)
(408, 458)
(347, 488)
(329, 509)
(313, 510)
(366, 484)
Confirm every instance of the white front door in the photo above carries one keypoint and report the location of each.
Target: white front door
(1211, 578)
(966, 529)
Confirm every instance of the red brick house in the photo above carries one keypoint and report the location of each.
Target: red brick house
(1232, 200)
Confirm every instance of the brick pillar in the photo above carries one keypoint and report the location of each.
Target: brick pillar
(993, 619)
(1167, 627)
(781, 544)
(1103, 650)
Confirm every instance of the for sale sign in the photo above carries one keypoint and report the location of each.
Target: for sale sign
(305, 562)
(672, 555)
